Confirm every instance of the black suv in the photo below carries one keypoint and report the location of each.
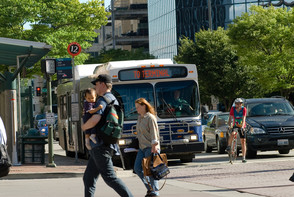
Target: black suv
(269, 125)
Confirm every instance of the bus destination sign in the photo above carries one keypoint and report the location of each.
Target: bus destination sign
(152, 73)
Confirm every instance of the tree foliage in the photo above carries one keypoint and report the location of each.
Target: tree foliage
(120, 55)
(264, 41)
(219, 72)
(55, 22)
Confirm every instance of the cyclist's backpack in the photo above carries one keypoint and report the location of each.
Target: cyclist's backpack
(110, 126)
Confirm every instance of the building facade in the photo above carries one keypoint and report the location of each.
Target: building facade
(173, 19)
(127, 27)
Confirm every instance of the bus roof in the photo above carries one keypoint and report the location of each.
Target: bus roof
(86, 70)
(132, 63)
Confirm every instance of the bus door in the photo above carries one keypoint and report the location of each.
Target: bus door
(69, 126)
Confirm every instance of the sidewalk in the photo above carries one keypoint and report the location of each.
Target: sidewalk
(65, 167)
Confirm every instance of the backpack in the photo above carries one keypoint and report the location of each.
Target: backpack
(110, 126)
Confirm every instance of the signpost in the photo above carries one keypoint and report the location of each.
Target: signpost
(48, 67)
(50, 118)
(74, 49)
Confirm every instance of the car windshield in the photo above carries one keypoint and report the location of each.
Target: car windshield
(127, 94)
(269, 109)
(177, 99)
(42, 123)
(223, 119)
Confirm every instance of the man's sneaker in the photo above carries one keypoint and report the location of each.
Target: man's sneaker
(244, 161)
(228, 149)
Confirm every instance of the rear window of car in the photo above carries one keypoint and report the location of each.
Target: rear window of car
(40, 116)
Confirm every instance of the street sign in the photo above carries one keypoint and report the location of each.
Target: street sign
(50, 118)
(74, 49)
(63, 68)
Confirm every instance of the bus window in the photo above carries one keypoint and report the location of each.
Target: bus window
(63, 107)
(177, 99)
(127, 94)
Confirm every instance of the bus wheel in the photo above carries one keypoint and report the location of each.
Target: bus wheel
(188, 158)
(70, 154)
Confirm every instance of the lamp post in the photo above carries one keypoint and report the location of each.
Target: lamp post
(49, 68)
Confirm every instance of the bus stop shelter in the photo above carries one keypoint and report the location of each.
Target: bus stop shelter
(15, 54)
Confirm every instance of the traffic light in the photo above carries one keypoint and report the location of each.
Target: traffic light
(38, 91)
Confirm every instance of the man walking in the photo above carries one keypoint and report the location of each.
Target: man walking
(100, 162)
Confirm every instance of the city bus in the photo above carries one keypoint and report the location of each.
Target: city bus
(159, 81)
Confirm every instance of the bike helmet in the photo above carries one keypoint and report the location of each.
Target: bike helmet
(238, 100)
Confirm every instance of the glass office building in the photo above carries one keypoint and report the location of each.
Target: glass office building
(169, 20)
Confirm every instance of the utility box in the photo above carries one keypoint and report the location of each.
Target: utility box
(33, 147)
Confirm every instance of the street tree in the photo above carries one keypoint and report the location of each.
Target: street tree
(264, 41)
(120, 55)
(219, 71)
(54, 22)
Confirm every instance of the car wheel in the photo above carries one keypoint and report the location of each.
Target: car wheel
(220, 149)
(284, 151)
(251, 154)
(207, 148)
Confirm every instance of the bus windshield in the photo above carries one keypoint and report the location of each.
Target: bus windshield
(177, 99)
(127, 94)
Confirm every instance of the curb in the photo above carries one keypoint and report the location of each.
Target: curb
(56, 175)
(51, 175)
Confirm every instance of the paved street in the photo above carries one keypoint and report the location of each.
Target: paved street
(209, 175)
(267, 175)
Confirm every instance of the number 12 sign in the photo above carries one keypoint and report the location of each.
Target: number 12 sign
(74, 48)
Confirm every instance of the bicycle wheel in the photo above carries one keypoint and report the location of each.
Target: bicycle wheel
(233, 152)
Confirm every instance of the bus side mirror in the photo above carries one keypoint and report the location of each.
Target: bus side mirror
(204, 111)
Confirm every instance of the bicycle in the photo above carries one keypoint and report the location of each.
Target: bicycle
(233, 152)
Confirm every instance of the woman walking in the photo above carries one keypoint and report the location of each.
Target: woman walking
(148, 136)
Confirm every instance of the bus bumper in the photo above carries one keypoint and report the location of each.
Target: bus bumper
(182, 149)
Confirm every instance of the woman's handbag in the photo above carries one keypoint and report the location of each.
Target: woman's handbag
(157, 160)
(156, 166)
(160, 169)
(5, 162)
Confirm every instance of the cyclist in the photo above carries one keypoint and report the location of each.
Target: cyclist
(238, 116)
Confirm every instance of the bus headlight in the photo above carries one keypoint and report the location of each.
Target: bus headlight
(191, 137)
(124, 141)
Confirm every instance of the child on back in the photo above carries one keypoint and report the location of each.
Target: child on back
(89, 110)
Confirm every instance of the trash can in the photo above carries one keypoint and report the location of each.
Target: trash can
(33, 147)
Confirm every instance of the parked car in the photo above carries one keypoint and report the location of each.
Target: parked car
(42, 127)
(215, 134)
(269, 125)
(37, 118)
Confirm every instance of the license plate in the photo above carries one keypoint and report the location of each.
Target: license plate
(283, 142)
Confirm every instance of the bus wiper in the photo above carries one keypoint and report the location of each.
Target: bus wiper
(169, 109)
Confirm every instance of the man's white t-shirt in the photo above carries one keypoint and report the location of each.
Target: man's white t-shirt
(3, 136)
